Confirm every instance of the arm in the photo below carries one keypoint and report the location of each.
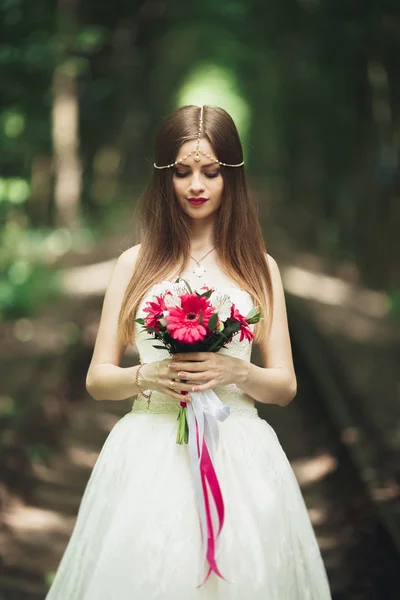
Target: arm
(275, 383)
(105, 379)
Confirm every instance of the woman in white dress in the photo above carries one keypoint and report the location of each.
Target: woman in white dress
(137, 534)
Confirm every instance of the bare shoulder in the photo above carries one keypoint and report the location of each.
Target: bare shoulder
(124, 265)
(276, 278)
(271, 262)
(129, 256)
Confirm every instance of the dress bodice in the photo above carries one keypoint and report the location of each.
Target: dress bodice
(231, 394)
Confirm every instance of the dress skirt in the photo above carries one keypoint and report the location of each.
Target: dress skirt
(137, 535)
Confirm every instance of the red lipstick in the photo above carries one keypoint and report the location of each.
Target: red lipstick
(197, 201)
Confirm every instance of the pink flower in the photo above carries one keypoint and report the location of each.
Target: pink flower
(183, 322)
(155, 311)
(245, 331)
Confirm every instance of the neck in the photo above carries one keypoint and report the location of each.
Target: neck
(202, 237)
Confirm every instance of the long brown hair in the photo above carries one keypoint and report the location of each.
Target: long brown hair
(164, 228)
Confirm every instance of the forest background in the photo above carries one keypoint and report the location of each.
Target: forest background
(314, 88)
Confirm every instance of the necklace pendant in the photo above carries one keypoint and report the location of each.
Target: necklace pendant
(199, 271)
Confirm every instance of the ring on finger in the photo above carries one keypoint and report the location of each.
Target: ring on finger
(172, 384)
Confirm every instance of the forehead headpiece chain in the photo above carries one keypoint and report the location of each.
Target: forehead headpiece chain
(197, 152)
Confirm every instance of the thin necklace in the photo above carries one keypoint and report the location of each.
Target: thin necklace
(200, 270)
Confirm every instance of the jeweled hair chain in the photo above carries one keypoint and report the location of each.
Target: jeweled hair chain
(197, 151)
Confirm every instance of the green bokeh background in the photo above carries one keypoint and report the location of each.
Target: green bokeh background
(312, 85)
(314, 88)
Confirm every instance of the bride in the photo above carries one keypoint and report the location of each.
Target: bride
(137, 535)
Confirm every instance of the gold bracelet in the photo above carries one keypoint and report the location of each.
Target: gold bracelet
(148, 396)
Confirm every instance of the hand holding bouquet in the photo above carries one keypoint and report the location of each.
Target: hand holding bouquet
(183, 320)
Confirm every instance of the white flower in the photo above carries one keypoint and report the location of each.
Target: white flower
(176, 289)
(160, 289)
(180, 287)
(222, 303)
(169, 291)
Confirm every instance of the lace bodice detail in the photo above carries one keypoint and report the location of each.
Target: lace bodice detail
(240, 403)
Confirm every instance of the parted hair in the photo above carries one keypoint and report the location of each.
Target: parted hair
(164, 228)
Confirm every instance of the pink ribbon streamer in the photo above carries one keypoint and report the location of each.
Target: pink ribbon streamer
(207, 472)
(203, 413)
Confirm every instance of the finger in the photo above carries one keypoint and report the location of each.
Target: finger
(193, 367)
(175, 392)
(180, 397)
(181, 386)
(190, 356)
(194, 377)
(204, 386)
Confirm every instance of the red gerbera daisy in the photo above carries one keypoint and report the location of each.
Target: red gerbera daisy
(155, 311)
(245, 331)
(183, 322)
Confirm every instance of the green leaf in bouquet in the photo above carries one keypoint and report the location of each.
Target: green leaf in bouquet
(187, 285)
(201, 318)
(144, 330)
(231, 327)
(255, 318)
(159, 347)
(212, 323)
(205, 294)
(252, 312)
(153, 329)
(140, 321)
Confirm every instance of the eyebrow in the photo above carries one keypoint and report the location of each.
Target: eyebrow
(207, 165)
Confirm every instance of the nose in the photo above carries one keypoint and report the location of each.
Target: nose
(196, 184)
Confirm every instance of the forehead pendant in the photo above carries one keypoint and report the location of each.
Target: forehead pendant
(197, 156)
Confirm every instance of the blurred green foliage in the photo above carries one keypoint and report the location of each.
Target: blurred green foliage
(27, 281)
(26, 288)
(313, 86)
(394, 296)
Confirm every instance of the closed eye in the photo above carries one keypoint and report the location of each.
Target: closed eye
(208, 175)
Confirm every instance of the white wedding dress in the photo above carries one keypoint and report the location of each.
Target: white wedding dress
(137, 534)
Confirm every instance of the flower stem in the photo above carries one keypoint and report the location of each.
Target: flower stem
(183, 432)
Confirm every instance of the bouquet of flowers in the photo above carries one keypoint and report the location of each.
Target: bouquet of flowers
(186, 320)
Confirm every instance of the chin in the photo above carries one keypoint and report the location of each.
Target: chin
(208, 207)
